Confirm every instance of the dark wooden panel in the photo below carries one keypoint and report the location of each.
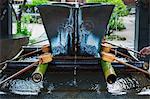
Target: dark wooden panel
(5, 19)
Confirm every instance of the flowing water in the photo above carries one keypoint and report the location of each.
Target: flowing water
(122, 85)
(82, 85)
(77, 84)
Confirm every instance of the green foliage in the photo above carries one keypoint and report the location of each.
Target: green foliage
(24, 31)
(120, 10)
(32, 41)
(115, 37)
(115, 23)
(26, 19)
(39, 2)
(22, 26)
(18, 25)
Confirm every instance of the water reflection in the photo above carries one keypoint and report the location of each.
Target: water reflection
(79, 30)
(61, 42)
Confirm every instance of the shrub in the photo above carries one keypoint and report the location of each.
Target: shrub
(38, 2)
(22, 26)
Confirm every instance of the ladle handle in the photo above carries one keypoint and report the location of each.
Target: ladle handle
(132, 66)
(122, 54)
(19, 72)
(124, 48)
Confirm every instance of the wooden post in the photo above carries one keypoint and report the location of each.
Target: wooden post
(142, 30)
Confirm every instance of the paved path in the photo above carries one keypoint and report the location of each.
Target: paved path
(129, 32)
